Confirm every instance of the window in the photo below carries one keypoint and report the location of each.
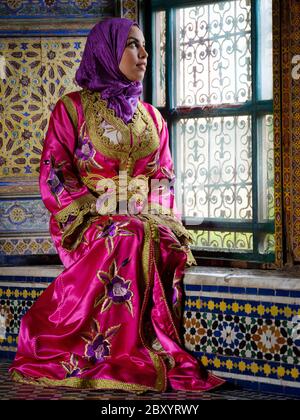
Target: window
(212, 81)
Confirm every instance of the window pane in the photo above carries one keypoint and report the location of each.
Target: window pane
(214, 159)
(266, 244)
(265, 50)
(223, 241)
(160, 63)
(266, 168)
(213, 54)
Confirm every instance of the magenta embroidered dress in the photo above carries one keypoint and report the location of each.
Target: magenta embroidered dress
(112, 319)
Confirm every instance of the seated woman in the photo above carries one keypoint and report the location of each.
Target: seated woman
(112, 319)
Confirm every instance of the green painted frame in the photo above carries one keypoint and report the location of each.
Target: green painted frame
(255, 108)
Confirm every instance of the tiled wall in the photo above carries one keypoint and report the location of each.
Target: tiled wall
(19, 288)
(42, 42)
(245, 326)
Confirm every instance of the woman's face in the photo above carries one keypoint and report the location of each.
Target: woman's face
(134, 59)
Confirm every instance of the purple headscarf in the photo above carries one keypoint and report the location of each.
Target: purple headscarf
(99, 68)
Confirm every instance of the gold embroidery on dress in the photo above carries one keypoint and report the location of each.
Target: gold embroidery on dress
(73, 233)
(83, 383)
(71, 109)
(75, 208)
(148, 259)
(140, 137)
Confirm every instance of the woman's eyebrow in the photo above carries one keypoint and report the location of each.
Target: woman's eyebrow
(135, 39)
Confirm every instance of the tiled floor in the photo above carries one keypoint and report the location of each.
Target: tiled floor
(12, 391)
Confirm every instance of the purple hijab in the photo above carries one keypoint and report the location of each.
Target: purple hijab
(99, 68)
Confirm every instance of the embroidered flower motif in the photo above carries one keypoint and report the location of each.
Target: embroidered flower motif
(153, 166)
(56, 180)
(98, 346)
(98, 349)
(110, 230)
(111, 133)
(169, 173)
(59, 181)
(85, 151)
(72, 368)
(117, 289)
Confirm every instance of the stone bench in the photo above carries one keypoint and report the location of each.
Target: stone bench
(243, 324)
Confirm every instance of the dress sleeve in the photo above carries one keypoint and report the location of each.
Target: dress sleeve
(162, 185)
(163, 180)
(64, 195)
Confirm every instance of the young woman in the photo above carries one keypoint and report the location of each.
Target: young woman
(112, 319)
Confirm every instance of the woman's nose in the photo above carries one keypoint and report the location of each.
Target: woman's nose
(143, 52)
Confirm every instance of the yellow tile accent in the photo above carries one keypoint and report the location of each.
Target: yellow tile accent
(281, 371)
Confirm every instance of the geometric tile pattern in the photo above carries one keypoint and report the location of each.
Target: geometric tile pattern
(27, 246)
(250, 336)
(14, 391)
(24, 228)
(130, 9)
(54, 8)
(45, 17)
(23, 216)
(263, 339)
(287, 130)
(295, 131)
(16, 297)
(38, 72)
(278, 150)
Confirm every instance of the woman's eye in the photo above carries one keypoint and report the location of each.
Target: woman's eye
(133, 43)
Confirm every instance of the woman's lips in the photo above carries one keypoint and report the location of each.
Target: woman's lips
(141, 66)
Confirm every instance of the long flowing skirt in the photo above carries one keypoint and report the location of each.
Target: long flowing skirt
(112, 320)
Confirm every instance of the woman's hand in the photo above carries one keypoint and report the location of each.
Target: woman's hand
(93, 209)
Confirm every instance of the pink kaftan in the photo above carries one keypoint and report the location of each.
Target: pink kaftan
(112, 319)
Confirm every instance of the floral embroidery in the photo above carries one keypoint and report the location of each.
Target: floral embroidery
(72, 368)
(117, 289)
(58, 181)
(98, 346)
(153, 166)
(85, 152)
(168, 172)
(139, 138)
(110, 230)
(109, 131)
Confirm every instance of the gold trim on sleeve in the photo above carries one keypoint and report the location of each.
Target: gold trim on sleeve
(71, 109)
(75, 208)
(79, 208)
